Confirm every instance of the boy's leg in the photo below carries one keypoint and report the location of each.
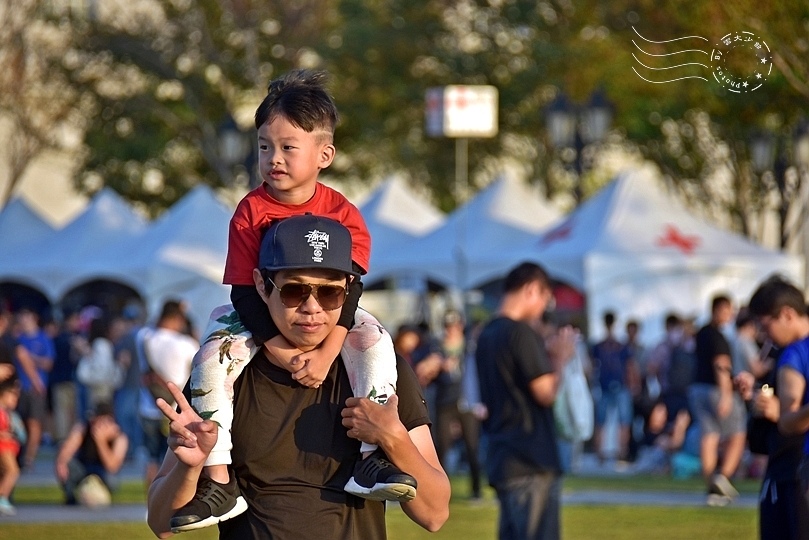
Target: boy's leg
(371, 366)
(225, 351)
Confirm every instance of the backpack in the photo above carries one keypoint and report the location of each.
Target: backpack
(681, 370)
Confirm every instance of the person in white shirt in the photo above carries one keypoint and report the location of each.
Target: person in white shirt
(165, 356)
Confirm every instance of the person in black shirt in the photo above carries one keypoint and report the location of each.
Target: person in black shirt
(717, 408)
(518, 379)
(294, 447)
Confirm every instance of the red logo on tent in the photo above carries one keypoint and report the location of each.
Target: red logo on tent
(673, 237)
(561, 232)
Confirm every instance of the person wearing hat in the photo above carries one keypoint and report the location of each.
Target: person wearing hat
(294, 448)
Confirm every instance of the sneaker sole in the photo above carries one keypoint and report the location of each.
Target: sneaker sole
(241, 506)
(717, 500)
(382, 492)
(725, 487)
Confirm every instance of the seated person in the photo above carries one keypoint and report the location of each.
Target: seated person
(97, 447)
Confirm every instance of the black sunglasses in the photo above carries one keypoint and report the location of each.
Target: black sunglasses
(294, 294)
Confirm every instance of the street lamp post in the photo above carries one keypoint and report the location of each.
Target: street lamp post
(572, 127)
(235, 152)
(771, 153)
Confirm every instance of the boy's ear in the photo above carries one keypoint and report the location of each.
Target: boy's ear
(327, 153)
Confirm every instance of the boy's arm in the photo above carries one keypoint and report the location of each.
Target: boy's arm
(253, 313)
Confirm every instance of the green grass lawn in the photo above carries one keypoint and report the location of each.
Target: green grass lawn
(470, 521)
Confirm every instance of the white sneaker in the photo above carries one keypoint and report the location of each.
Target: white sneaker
(6, 508)
(722, 485)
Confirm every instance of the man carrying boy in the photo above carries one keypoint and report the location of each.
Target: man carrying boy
(292, 461)
(295, 124)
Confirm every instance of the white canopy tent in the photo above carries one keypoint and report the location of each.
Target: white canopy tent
(635, 249)
(505, 214)
(56, 262)
(20, 226)
(182, 256)
(396, 217)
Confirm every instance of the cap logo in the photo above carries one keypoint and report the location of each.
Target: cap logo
(318, 241)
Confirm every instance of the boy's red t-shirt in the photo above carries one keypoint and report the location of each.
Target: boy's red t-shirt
(258, 210)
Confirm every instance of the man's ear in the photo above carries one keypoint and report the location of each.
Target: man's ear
(258, 279)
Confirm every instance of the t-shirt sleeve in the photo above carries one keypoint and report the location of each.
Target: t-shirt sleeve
(792, 357)
(530, 357)
(412, 405)
(360, 237)
(244, 241)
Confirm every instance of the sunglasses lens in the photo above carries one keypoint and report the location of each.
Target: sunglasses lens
(294, 294)
(331, 296)
(328, 296)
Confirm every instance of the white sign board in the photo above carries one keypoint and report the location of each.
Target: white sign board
(461, 111)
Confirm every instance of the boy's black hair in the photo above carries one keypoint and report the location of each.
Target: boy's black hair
(300, 96)
(774, 294)
(523, 274)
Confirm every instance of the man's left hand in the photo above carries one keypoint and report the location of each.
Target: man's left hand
(371, 422)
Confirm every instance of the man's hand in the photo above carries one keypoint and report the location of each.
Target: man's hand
(766, 405)
(744, 382)
(315, 365)
(371, 422)
(561, 346)
(104, 430)
(190, 438)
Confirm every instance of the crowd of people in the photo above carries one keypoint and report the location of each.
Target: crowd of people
(76, 382)
(351, 416)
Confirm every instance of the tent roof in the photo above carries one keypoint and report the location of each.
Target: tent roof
(395, 217)
(632, 217)
(56, 262)
(20, 225)
(505, 213)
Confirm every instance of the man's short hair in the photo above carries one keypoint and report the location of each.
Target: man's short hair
(672, 320)
(774, 294)
(300, 96)
(171, 309)
(718, 301)
(523, 274)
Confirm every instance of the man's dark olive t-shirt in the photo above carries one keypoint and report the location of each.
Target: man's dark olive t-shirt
(292, 456)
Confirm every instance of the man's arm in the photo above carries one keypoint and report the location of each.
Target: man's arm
(190, 442)
(723, 371)
(543, 389)
(794, 418)
(411, 451)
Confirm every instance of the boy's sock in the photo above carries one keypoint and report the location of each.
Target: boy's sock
(378, 479)
(212, 503)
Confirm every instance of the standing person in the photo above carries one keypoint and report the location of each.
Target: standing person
(9, 347)
(33, 372)
(780, 308)
(518, 383)
(62, 379)
(126, 397)
(98, 369)
(719, 411)
(165, 356)
(95, 447)
(612, 362)
(449, 397)
(293, 469)
(10, 435)
(295, 124)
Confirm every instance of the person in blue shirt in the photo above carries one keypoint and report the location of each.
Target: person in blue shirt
(780, 308)
(33, 372)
